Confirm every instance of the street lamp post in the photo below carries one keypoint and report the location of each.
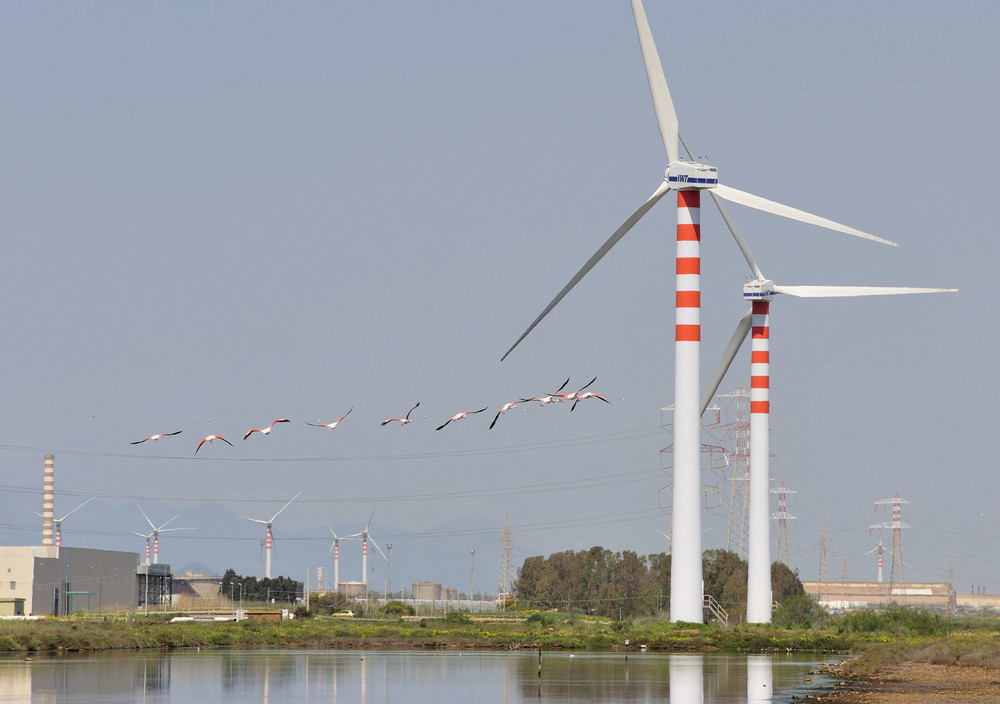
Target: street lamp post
(472, 577)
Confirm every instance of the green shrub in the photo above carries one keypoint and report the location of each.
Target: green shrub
(397, 608)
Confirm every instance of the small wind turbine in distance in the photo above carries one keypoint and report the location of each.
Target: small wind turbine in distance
(270, 539)
(878, 548)
(365, 536)
(688, 179)
(57, 522)
(155, 534)
(760, 292)
(335, 549)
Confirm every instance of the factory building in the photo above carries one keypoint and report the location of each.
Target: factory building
(847, 596)
(57, 581)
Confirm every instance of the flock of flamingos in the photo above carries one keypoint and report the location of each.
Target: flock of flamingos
(579, 395)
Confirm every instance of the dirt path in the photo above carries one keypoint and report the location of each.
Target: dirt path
(920, 683)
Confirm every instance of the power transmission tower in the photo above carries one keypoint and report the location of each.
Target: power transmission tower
(718, 457)
(897, 526)
(506, 563)
(782, 516)
(821, 576)
(738, 433)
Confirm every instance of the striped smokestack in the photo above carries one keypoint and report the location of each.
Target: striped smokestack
(48, 499)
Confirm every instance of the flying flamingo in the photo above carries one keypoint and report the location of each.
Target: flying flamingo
(209, 439)
(585, 396)
(506, 407)
(551, 398)
(154, 438)
(573, 396)
(460, 416)
(333, 425)
(404, 420)
(264, 431)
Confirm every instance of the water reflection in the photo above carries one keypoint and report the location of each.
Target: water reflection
(687, 678)
(396, 676)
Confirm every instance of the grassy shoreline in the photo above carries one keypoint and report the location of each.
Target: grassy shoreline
(864, 652)
(456, 631)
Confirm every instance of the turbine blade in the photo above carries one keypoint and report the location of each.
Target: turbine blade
(285, 506)
(844, 291)
(740, 242)
(727, 358)
(666, 116)
(660, 191)
(78, 508)
(144, 514)
(372, 541)
(770, 206)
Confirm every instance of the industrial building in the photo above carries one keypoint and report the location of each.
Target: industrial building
(52, 580)
(846, 596)
(58, 581)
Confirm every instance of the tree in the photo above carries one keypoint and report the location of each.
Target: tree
(784, 582)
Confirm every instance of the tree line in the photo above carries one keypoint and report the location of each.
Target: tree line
(250, 589)
(626, 585)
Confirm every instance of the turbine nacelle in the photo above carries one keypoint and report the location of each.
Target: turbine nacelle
(759, 290)
(691, 176)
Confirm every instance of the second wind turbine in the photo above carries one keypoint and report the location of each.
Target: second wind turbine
(688, 179)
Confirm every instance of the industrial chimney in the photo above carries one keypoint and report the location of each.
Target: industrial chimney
(48, 499)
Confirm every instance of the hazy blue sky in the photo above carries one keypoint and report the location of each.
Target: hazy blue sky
(215, 215)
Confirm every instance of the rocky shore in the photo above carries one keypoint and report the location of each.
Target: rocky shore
(921, 683)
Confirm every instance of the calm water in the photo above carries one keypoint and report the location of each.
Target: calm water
(403, 676)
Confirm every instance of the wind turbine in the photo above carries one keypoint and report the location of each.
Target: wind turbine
(335, 549)
(688, 179)
(365, 537)
(270, 539)
(155, 534)
(880, 550)
(57, 522)
(760, 292)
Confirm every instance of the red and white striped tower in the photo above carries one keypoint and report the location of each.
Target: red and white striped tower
(156, 548)
(147, 550)
(759, 539)
(48, 499)
(58, 526)
(267, 553)
(685, 585)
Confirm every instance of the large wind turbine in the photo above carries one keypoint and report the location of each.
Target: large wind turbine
(760, 292)
(688, 179)
(270, 539)
(155, 534)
